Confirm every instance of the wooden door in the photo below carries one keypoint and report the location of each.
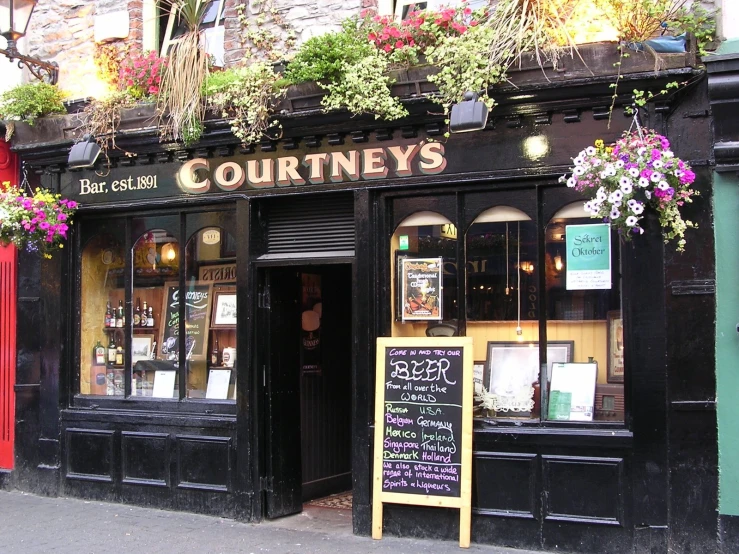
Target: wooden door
(281, 360)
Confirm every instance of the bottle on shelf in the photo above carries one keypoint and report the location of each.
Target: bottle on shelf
(111, 351)
(144, 322)
(98, 354)
(119, 356)
(150, 318)
(120, 315)
(108, 315)
(137, 314)
(214, 361)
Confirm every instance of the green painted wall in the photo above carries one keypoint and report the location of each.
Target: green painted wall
(726, 213)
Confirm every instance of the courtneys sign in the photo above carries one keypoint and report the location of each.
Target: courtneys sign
(197, 176)
(244, 173)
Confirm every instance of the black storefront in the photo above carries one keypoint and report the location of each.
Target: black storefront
(302, 236)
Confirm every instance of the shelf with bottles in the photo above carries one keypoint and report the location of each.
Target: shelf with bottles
(222, 348)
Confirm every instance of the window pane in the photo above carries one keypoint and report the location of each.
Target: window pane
(153, 347)
(503, 313)
(102, 269)
(211, 315)
(587, 315)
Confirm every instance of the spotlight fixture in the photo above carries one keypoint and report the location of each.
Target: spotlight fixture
(468, 115)
(14, 18)
(84, 154)
(558, 265)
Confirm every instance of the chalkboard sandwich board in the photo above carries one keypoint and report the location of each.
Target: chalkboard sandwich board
(423, 426)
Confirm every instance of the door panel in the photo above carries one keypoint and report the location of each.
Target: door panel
(279, 340)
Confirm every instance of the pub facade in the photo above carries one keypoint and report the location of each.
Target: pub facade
(206, 340)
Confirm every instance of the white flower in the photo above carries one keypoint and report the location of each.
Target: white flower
(657, 164)
(571, 182)
(626, 188)
(596, 162)
(579, 160)
(678, 173)
(631, 220)
(643, 182)
(579, 170)
(655, 176)
(601, 195)
(637, 208)
(610, 170)
(619, 164)
(634, 172)
(647, 194)
(617, 204)
(603, 175)
(615, 214)
(615, 196)
(624, 180)
(590, 150)
(631, 203)
(663, 185)
(667, 154)
(641, 150)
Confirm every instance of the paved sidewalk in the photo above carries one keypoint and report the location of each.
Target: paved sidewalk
(32, 524)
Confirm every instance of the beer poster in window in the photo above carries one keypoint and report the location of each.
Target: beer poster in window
(421, 288)
(310, 324)
(197, 321)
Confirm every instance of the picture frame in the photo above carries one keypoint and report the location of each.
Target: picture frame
(224, 310)
(615, 340)
(141, 347)
(421, 289)
(505, 360)
(400, 255)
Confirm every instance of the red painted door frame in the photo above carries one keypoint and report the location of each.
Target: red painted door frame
(8, 296)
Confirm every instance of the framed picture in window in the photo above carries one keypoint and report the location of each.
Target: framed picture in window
(511, 366)
(615, 373)
(224, 309)
(141, 347)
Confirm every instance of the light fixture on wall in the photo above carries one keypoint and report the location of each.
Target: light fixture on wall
(558, 265)
(14, 18)
(468, 115)
(527, 267)
(84, 154)
(169, 252)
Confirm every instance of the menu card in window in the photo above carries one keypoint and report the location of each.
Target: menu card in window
(572, 391)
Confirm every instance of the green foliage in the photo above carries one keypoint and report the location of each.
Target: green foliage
(246, 96)
(32, 100)
(698, 22)
(322, 58)
(365, 88)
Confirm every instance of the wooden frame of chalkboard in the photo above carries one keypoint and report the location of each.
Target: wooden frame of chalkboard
(169, 310)
(423, 426)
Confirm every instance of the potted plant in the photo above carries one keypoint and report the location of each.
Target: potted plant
(37, 223)
(637, 173)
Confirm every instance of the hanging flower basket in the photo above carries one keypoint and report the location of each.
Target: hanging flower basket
(37, 223)
(638, 173)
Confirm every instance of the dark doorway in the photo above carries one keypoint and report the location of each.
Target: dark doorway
(306, 337)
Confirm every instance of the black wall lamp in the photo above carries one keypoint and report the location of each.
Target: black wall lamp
(84, 154)
(14, 18)
(468, 115)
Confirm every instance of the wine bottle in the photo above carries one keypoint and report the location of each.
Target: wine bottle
(119, 318)
(214, 355)
(108, 315)
(111, 351)
(150, 319)
(137, 314)
(119, 356)
(98, 354)
(144, 316)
